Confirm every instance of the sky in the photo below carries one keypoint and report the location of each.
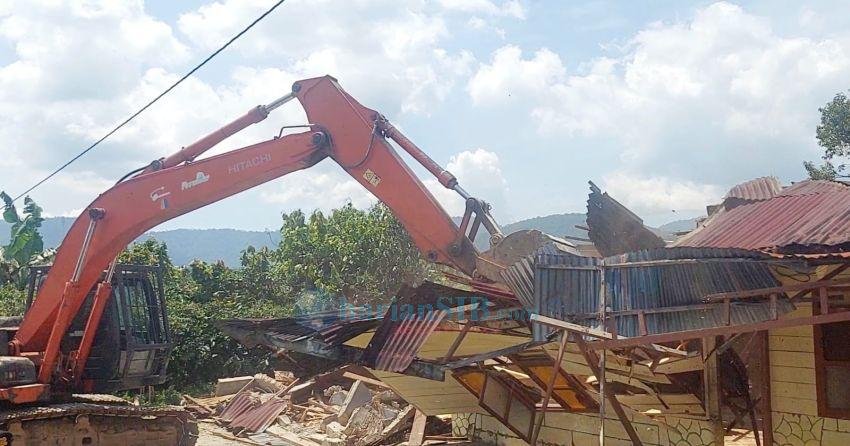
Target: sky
(663, 104)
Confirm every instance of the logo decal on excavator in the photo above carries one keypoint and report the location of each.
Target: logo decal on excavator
(372, 177)
(159, 194)
(200, 178)
(249, 163)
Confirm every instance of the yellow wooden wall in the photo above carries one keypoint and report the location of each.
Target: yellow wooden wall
(793, 392)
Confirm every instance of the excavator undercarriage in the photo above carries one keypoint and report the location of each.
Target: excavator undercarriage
(96, 420)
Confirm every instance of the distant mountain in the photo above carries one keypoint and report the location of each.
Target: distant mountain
(557, 224)
(679, 226)
(210, 245)
(184, 245)
(565, 225)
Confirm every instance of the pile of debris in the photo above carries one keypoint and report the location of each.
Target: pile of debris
(344, 407)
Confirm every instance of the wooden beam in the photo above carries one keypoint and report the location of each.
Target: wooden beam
(719, 297)
(717, 331)
(550, 386)
(838, 270)
(417, 432)
(458, 340)
(602, 334)
(470, 360)
(711, 380)
(365, 379)
(766, 408)
(592, 362)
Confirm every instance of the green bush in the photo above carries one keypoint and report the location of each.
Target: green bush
(12, 300)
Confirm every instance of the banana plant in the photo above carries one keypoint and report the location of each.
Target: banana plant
(26, 246)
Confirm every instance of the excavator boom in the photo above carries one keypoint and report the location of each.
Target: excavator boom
(340, 128)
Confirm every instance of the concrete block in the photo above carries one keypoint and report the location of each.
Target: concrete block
(358, 396)
(334, 430)
(229, 386)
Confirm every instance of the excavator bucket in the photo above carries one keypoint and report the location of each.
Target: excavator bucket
(515, 247)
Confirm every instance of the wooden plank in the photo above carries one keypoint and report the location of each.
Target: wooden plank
(792, 359)
(365, 379)
(458, 340)
(766, 391)
(779, 290)
(801, 330)
(652, 400)
(417, 432)
(802, 375)
(667, 365)
(718, 331)
(792, 343)
(713, 398)
(795, 406)
(601, 334)
(590, 357)
(794, 390)
(550, 386)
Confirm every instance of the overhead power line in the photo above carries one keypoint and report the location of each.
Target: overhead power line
(158, 97)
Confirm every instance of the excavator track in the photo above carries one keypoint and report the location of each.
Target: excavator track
(98, 420)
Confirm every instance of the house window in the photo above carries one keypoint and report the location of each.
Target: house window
(832, 364)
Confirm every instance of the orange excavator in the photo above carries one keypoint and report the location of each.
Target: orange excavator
(93, 325)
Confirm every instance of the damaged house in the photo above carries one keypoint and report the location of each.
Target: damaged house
(735, 333)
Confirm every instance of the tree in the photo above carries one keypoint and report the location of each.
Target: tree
(25, 244)
(197, 295)
(833, 135)
(363, 256)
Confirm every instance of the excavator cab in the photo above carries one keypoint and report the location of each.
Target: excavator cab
(133, 341)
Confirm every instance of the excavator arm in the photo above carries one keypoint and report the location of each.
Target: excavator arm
(354, 136)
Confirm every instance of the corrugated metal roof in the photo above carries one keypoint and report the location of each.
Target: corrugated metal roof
(757, 189)
(406, 339)
(243, 402)
(820, 219)
(259, 418)
(809, 187)
(409, 322)
(567, 287)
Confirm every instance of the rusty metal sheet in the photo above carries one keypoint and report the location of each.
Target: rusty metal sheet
(809, 187)
(259, 418)
(808, 223)
(409, 322)
(406, 339)
(756, 189)
(241, 403)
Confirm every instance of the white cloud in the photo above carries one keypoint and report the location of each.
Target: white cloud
(509, 8)
(657, 195)
(716, 99)
(509, 75)
(78, 68)
(479, 172)
(319, 188)
(379, 49)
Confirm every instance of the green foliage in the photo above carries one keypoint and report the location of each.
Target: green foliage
(364, 256)
(12, 300)
(825, 171)
(833, 135)
(196, 296)
(25, 244)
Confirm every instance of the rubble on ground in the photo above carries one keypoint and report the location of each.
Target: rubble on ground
(345, 407)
